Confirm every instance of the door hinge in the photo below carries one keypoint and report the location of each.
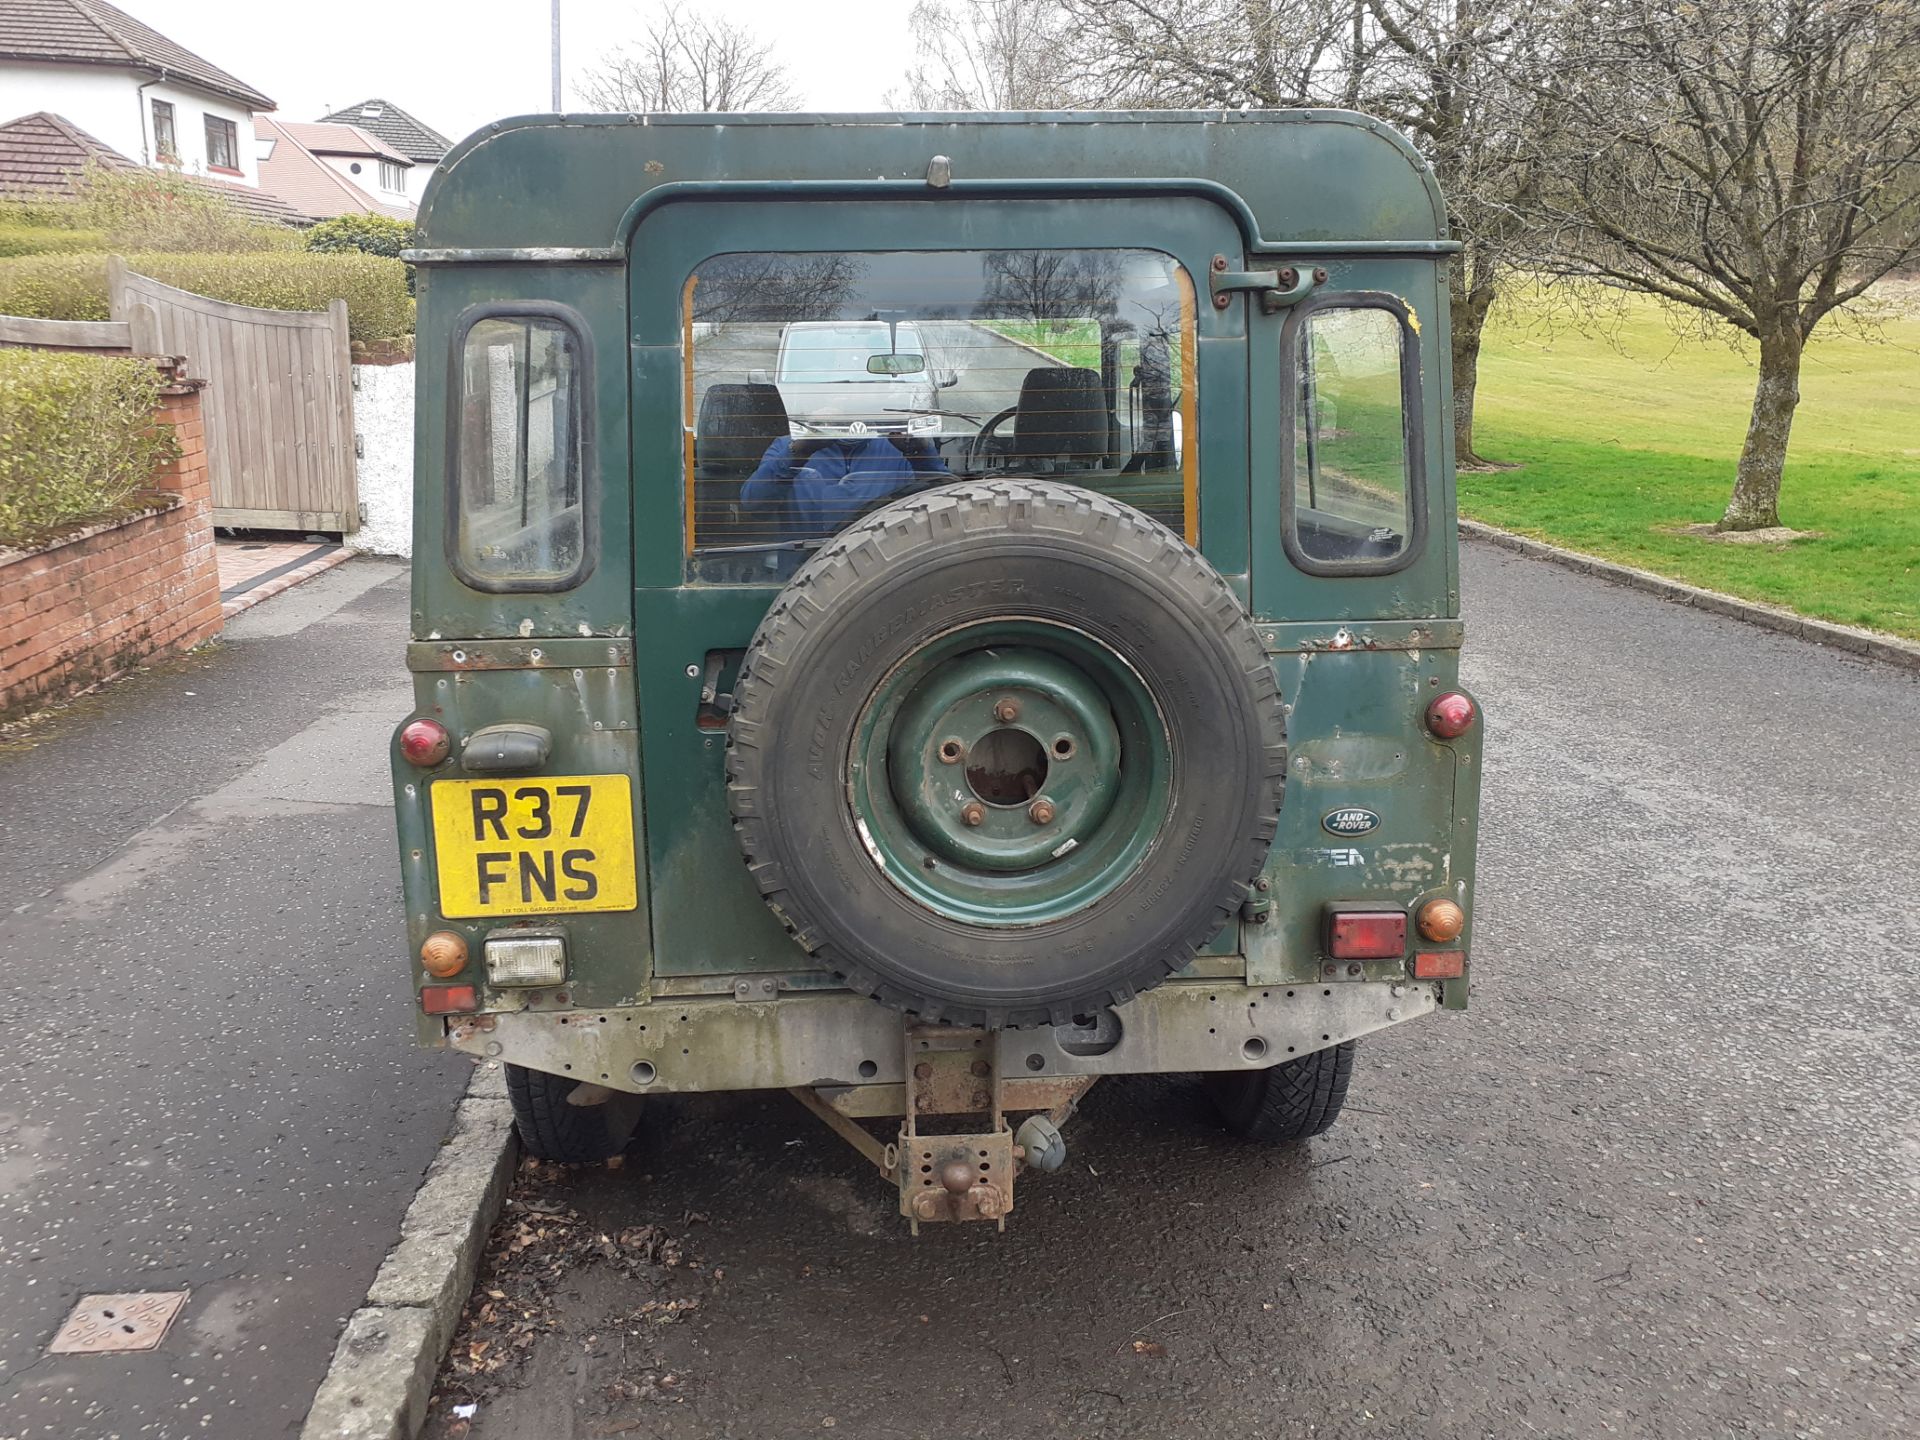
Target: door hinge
(1276, 289)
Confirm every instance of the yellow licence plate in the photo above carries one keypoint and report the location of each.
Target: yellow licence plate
(534, 847)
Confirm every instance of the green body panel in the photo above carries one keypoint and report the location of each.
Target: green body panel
(608, 216)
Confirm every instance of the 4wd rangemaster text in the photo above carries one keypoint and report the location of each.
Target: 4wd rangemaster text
(924, 612)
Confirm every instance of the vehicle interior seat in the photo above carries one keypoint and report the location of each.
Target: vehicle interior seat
(735, 426)
(1060, 422)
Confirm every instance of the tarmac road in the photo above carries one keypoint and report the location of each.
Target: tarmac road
(1663, 1180)
(208, 1079)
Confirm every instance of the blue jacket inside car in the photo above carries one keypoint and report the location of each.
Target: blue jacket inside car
(833, 484)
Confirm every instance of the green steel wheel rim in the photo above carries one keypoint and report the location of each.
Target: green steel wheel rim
(1010, 773)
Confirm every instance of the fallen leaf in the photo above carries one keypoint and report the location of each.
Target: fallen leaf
(1149, 1347)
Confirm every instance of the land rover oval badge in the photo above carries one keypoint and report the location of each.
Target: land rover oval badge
(1349, 820)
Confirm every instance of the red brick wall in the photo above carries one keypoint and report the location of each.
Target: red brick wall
(108, 597)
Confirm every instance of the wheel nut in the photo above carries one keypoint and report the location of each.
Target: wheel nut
(951, 751)
(1041, 811)
(1007, 711)
(972, 813)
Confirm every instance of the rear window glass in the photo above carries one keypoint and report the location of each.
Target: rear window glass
(1350, 503)
(520, 518)
(822, 386)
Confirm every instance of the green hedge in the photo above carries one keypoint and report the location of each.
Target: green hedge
(45, 240)
(368, 234)
(74, 287)
(77, 438)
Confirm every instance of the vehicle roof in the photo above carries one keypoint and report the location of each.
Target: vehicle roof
(585, 181)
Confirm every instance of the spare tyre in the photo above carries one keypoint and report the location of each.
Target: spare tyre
(1004, 753)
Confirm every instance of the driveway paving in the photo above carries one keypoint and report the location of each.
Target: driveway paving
(208, 1081)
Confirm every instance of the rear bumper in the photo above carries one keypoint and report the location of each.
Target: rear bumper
(835, 1038)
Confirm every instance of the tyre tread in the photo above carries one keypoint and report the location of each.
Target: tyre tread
(937, 518)
(1289, 1102)
(551, 1129)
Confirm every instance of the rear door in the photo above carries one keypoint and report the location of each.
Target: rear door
(1069, 338)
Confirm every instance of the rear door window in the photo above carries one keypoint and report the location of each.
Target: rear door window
(520, 508)
(1351, 464)
(822, 386)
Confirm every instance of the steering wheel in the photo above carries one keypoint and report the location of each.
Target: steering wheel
(976, 452)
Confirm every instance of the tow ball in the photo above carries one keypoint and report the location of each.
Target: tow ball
(945, 1174)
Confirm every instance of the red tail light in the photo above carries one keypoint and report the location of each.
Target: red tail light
(1367, 934)
(1451, 715)
(448, 999)
(425, 743)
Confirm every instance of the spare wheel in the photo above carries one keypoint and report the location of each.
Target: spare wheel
(1004, 753)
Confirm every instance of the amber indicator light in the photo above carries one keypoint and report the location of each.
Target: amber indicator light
(1441, 921)
(443, 954)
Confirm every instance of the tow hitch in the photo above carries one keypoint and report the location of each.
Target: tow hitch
(947, 1174)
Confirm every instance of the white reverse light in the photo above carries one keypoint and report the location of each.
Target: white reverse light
(527, 960)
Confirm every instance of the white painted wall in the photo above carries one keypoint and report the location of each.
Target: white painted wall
(368, 180)
(417, 179)
(112, 106)
(383, 421)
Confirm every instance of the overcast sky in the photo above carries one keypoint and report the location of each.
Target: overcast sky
(457, 64)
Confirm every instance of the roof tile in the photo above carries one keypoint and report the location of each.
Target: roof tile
(41, 153)
(92, 32)
(388, 122)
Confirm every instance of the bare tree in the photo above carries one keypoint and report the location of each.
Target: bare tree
(1207, 53)
(1752, 162)
(990, 55)
(1456, 76)
(687, 61)
(1447, 72)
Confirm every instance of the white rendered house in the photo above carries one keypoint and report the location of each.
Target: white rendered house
(128, 85)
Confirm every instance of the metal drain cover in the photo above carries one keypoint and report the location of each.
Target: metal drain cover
(101, 1324)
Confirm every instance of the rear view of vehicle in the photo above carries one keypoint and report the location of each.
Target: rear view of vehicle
(927, 644)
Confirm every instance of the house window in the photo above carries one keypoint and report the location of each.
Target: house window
(223, 144)
(392, 176)
(166, 150)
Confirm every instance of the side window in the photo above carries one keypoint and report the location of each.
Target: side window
(1349, 486)
(519, 516)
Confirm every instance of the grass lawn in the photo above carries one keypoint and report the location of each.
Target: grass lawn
(1623, 437)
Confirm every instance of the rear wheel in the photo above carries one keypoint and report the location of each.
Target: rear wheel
(550, 1128)
(1294, 1101)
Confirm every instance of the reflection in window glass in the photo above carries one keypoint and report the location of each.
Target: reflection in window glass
(822, 386)
(1349, 437)
(521, 438)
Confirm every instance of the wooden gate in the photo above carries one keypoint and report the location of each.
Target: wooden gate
(278, 407)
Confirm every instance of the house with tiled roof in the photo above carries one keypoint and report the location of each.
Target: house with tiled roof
(391, 125)
(41, 153)
(116, 78)
(328, 170)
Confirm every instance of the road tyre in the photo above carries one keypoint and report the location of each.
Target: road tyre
(550, 1128)
(1132, 660)
(1285, 1103)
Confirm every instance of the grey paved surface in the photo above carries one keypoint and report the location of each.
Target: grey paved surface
(1662, 1181)
(208, 1079)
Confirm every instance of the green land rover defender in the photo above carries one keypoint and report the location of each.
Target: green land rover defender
(925, 611)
